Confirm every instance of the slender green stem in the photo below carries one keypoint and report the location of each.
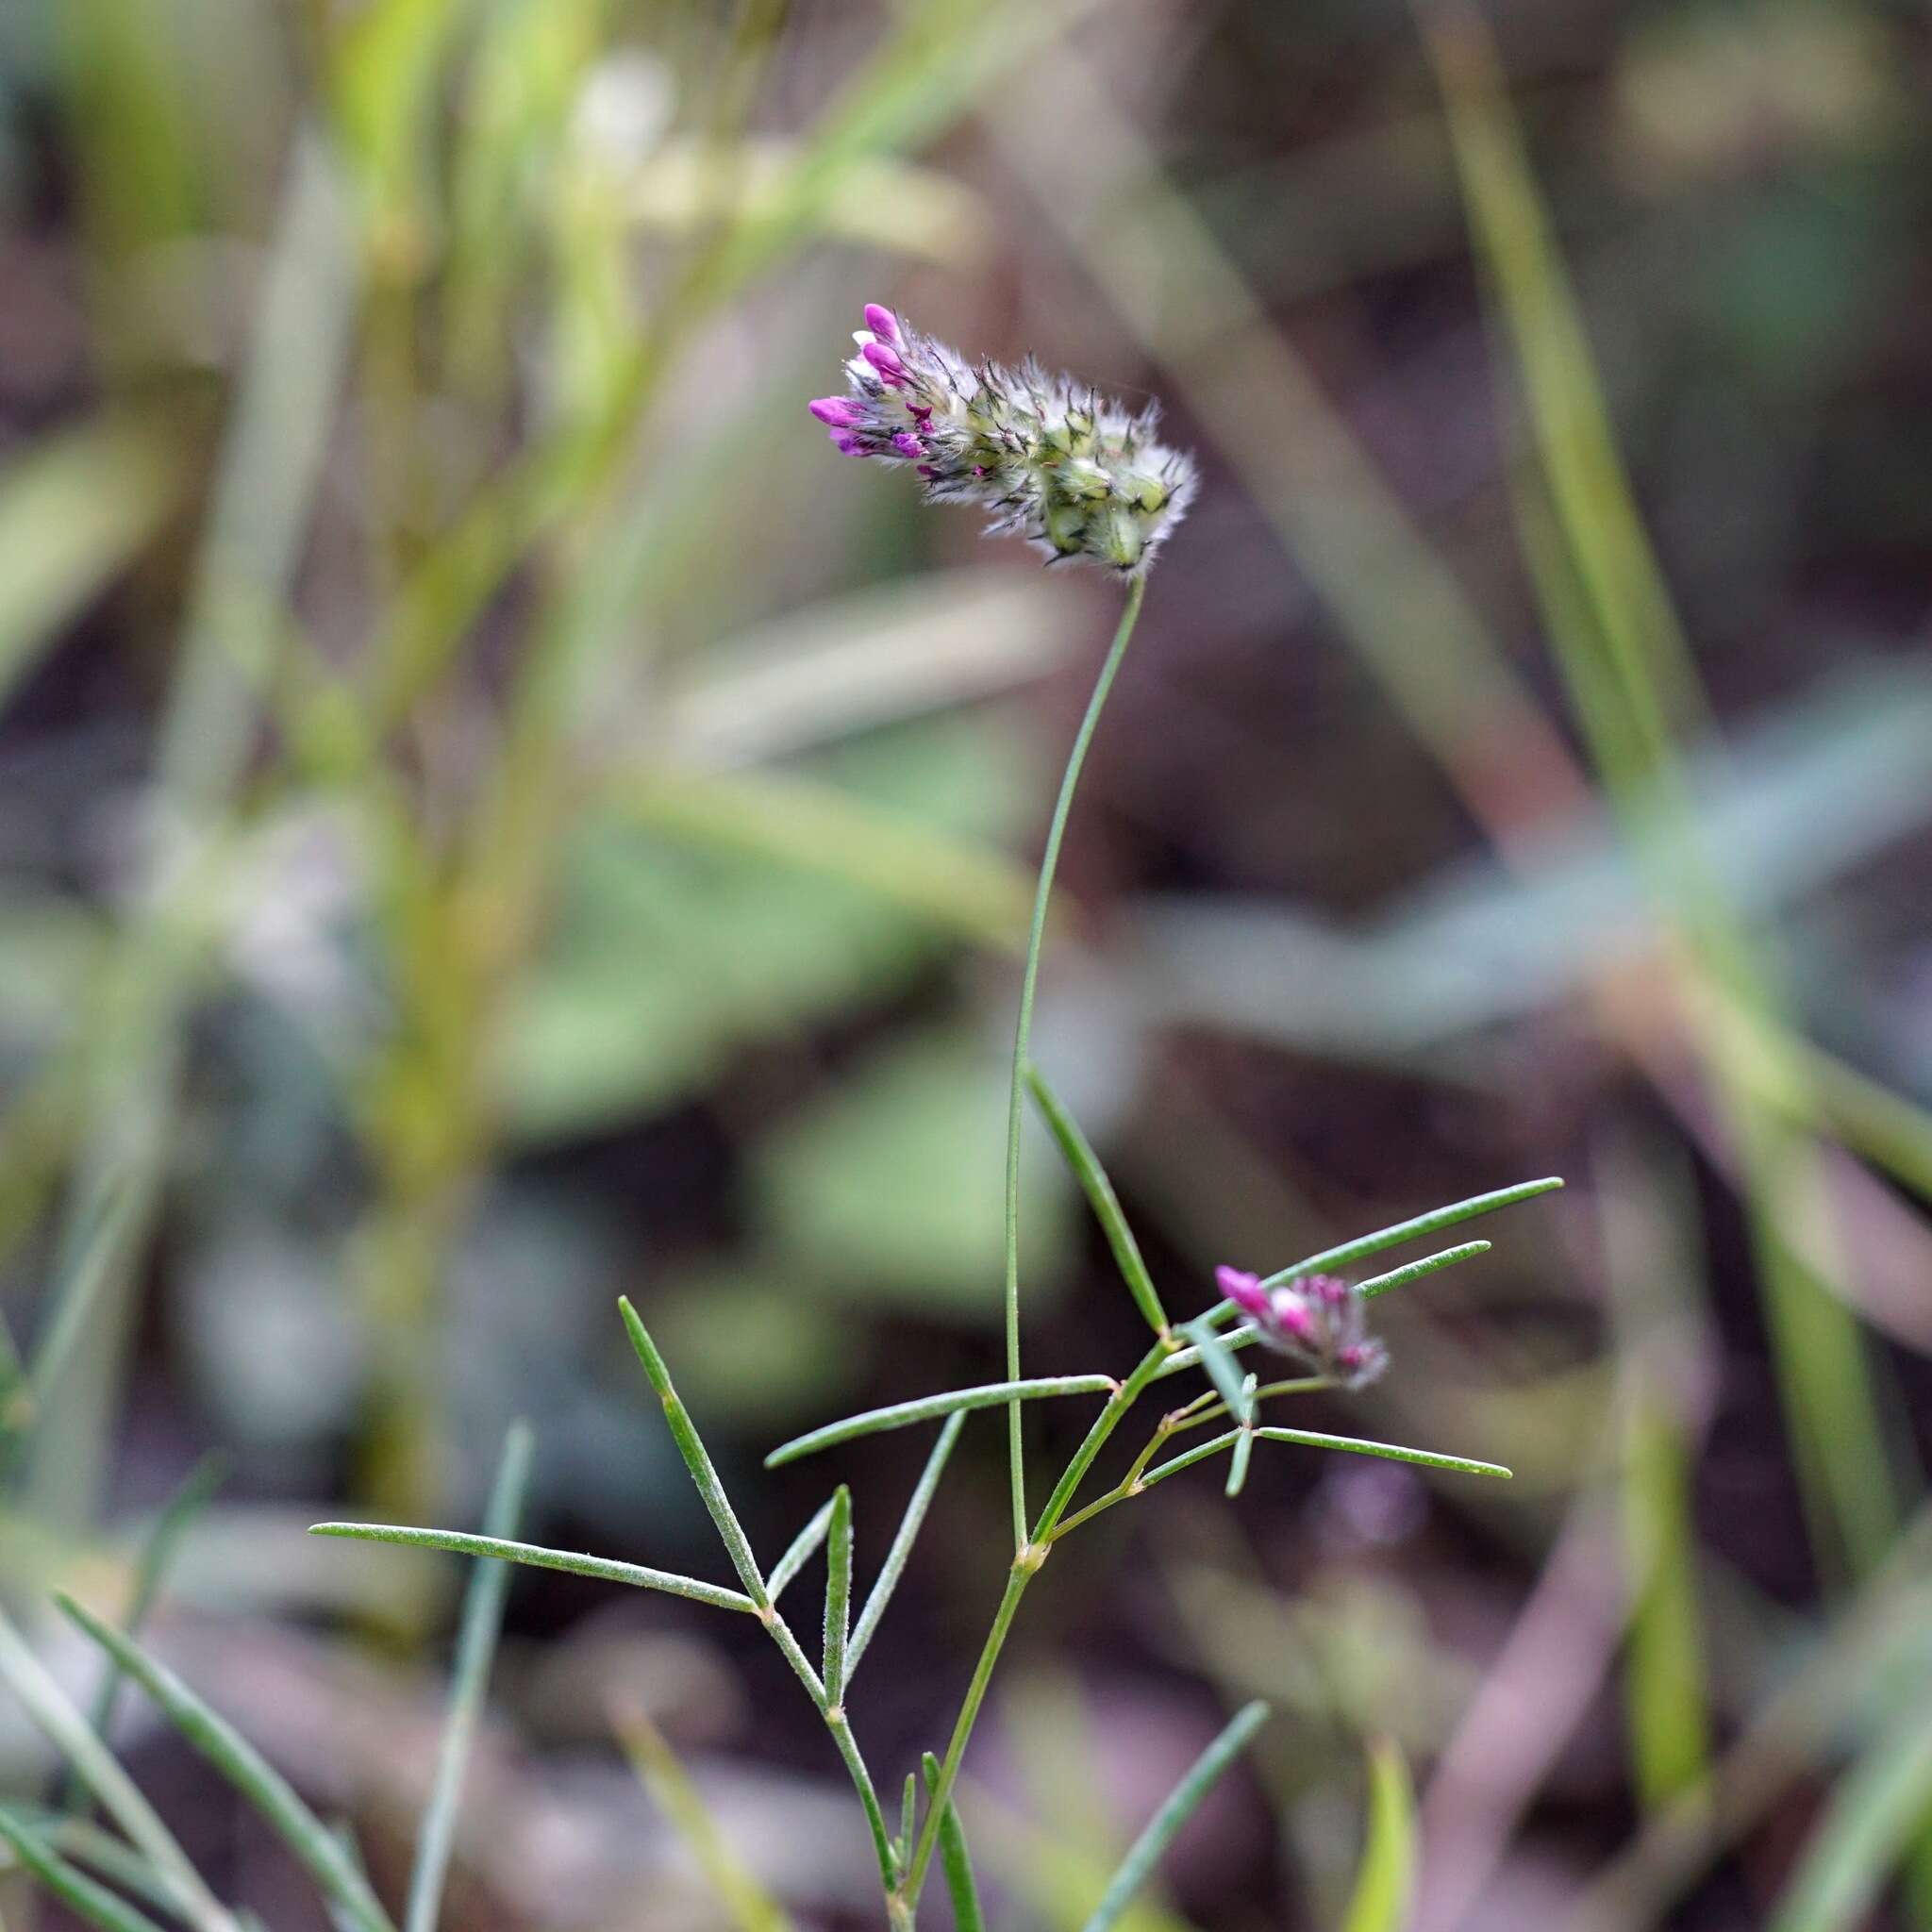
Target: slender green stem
(1018, 1578)
(482, 1621)
(861, 1778)
(1022, 1037)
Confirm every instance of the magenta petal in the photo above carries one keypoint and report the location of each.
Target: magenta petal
(837, 412)
(885, 361)
(908, 444)
(882, 322)
(1242, 1289)
(847, 444)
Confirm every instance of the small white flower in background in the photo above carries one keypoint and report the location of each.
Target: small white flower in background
(1072, 472)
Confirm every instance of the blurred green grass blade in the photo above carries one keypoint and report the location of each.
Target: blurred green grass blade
(81, 1894)
(1332, 1260)
(1106, 1203)
(157, 1548)
(244, 1767)
(924, 1408)
(100, 1853)
(1164, 1826)
(1394, 1451)
(272, 453)
(74, 510)
(1876, 1811)
(1623, 652)
(696, 1459)
(1385, 1882)
(1217, 1360)
(751, 1908)
(1414, 1271)
(1665, 1687)
(1243, 1451)
(956, 1862)
(837, 1594)
(970, 891)
(460, 1544)
(800, 1553)
(64, 1726)
(902, 1542)
(93, 1256)
(482, 1621)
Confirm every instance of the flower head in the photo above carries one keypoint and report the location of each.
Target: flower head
(1317, 1319)
(1074, 473)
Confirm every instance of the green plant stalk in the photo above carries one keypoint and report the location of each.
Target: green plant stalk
(64, 1726)
(318, 1849)
(156, 1553)
(1023, 1035)
(476, 1637)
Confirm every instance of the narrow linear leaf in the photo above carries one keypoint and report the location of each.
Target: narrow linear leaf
(901, 1543)
(1164, 1826)
(1414, 1271)
(752, 1909)
(151, 1566)
(908, 1819)
(459, 1543)
(245, 1768)
(837, 1594)
(901, 1415)
(954, 1862)
(1244, 1446)
(1332, 1260)
(1088, 1171)
(1876, 1811)
(1217, 1358)
(800, 1553)
(696, 1459)
(482, 1621)
(1385, 1882)
(81, 1894)
(1425, 1458)
(64, 1726)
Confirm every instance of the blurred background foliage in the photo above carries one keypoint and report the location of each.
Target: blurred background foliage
(493, 815)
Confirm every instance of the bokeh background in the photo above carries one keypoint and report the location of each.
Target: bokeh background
(496, 814)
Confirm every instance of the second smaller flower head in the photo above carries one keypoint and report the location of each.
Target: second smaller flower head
(1317, 1319)
(1075, 473)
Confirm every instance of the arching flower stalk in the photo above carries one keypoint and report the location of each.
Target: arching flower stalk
(1048, 458)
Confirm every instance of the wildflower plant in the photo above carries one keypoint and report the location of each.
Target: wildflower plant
(1079, 478)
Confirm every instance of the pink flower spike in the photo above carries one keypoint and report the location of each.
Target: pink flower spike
(847, 443)
(908, 444)
(837, 412)
(1242, 1289)
(885, 361)
(882, 322)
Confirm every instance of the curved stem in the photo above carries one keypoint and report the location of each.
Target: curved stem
(1023, 1033)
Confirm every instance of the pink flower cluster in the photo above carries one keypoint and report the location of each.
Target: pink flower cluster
(1317, 1319)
